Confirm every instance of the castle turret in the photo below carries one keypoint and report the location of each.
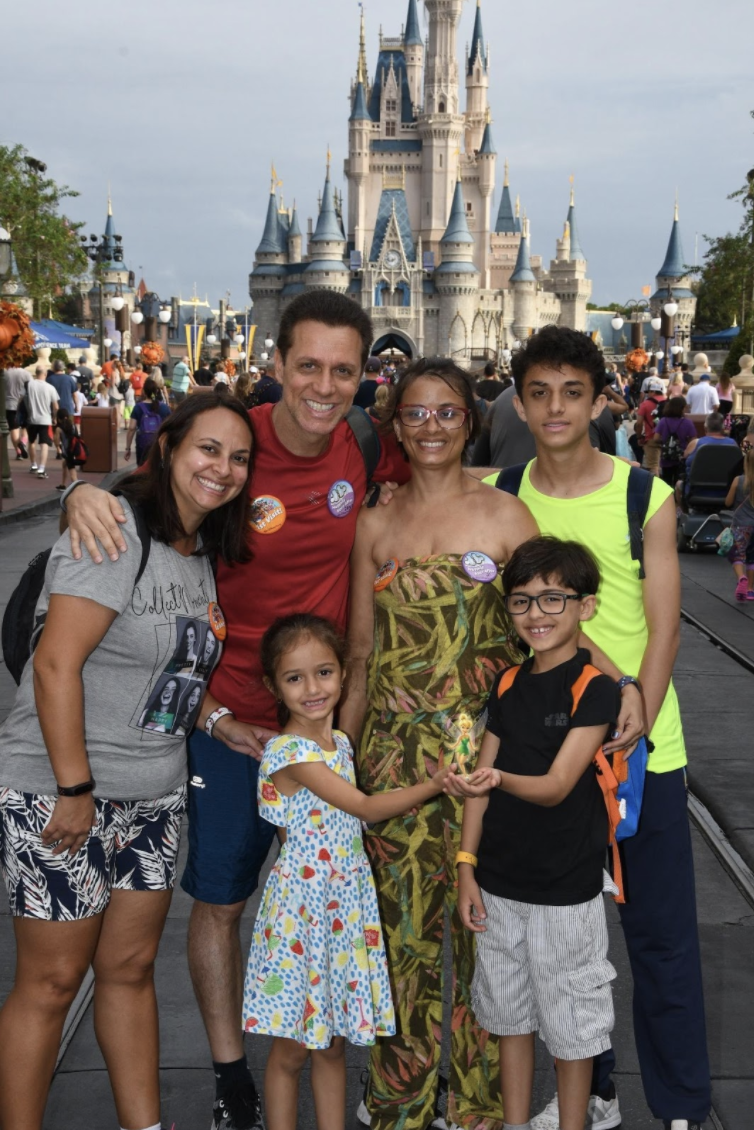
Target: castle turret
(457, 282)
(568, 274)
(295, 242)
(523, 284)
(268, 276)
(441, 124)
(486, 163)
(477, 83)
(674, 285)
(327, 245)
(413, 46)
(360, 128)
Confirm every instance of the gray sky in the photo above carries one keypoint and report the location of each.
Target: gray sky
(182, 106)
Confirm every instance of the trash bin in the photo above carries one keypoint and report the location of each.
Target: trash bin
(99, 431)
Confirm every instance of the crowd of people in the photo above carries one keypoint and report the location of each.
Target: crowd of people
(407, 685)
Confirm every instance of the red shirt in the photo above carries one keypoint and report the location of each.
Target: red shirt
(301, 552)
(648, 410)
(137, 380)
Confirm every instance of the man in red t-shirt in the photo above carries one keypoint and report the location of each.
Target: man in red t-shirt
(647, 416)
(138, 376)
(302, 533)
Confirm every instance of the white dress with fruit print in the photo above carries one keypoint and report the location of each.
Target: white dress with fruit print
(317, 965)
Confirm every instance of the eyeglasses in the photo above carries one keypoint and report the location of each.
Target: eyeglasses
(746, 446)
(450, 418)
(551, 603)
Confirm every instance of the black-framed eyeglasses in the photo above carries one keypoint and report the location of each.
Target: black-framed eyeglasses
(551, 603)
(449, 418)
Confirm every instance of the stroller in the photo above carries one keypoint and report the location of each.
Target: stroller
(706, 488)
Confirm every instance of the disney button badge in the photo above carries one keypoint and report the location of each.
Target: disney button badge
(385, 575)
(267, 514)
(340, 498)
(478, 566)
(217, 621)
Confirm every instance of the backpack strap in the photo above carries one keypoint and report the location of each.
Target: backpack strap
(507, 681)
(638, 494)
(608, 783)
(366, 437)
(510, 478)
(577, 690)
(145, 537)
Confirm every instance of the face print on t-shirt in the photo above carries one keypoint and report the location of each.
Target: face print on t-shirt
(174, 701)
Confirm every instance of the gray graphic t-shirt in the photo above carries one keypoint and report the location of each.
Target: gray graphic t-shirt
(144, 682)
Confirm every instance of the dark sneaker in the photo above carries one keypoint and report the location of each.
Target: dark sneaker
(238, 1108)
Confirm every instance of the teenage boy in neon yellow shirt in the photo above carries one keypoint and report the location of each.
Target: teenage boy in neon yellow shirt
(575, 492)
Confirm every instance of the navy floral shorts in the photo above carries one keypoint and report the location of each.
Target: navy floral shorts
(133, 846)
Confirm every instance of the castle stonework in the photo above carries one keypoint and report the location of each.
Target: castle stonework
(419, 247)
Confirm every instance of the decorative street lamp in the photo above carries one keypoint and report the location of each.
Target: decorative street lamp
(101, 251)
(6, 256)
(164, 314)
(268, 343)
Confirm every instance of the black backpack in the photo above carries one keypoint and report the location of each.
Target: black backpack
(21, 626)
(671, 452)
(638, 494)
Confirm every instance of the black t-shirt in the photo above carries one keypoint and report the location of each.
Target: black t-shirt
(203, 377)
(267, 390)
(366, 393)
(528, 852)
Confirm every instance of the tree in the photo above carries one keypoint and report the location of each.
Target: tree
(45, 242)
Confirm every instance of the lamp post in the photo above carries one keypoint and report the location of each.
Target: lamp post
(750, 179)
(100, 252)
(638, 312)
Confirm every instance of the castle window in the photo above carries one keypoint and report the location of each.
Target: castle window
(391, 105)
(441, 160)
(442, 108)
(389, 129)
(468, 206)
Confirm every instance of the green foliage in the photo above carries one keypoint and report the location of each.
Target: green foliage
(58, 355)
(744, 343)
(724, 289)
(46, 244)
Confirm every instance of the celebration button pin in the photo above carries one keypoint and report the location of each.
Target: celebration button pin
(385, 575)
(217, 621)
(340, 498)
(267, 514)
(479, 566)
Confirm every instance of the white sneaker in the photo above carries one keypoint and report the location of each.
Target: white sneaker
(440, 1124)
(601, 1114)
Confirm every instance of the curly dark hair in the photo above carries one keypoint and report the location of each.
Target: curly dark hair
(443, 369)
(554, 347)
(330, 308)
(224, 531)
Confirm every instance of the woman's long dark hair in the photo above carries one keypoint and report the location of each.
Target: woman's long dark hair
(224, 532)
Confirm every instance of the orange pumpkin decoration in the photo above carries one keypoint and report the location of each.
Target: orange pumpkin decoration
(16, 338)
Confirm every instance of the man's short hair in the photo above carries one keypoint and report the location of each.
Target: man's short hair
(331, 309)
(58, 367)
(39, 369)
(82, 359)
(715, 422)
(568, 563)
(554, 347)
(490, 369)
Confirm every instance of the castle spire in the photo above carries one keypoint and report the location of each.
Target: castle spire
(272, 237)
(523, 271)
(362, 66)
(412, 36)
(457, 230)
(488, 145)
(478, 48)
(505, 178)
(328, 225)
(673, 267)
(576, 252)
(507, 222)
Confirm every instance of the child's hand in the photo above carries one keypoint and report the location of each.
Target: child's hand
(455, 782)
(479, 783)
(443, 773)
(470, 901)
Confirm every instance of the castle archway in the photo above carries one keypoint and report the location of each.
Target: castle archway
(395, 339)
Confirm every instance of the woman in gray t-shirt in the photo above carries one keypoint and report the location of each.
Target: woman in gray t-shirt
(93, 761)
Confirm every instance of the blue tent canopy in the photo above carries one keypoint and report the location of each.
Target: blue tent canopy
(72, 331)
(52, 335)
(721, 338)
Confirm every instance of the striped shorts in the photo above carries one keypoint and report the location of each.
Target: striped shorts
(545, 969)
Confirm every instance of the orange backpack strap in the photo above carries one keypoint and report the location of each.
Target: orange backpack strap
(609, 785)
(505, 684)
(583, 681)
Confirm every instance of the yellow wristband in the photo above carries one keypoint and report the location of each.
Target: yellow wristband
(466, 857)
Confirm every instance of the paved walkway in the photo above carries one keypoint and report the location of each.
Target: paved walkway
(718, 709)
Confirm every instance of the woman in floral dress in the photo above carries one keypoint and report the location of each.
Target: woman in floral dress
(427, 636)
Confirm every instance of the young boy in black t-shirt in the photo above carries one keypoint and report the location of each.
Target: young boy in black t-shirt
(535, 816)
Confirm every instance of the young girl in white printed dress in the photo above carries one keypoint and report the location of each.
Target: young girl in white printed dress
(317, 973)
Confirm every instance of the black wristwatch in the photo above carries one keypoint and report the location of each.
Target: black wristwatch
(77, 790)
(627, 681)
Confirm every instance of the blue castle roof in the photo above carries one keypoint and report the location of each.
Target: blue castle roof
(272, 236)
(507, 222)
(523, 271)
(328, 225)
(395, 58)
(393, 197)
(412, 36)
(673, 267)
(360, 113)
(457, 230)
(576, 252)
(294, 228)
(488, 145)
(478, 49)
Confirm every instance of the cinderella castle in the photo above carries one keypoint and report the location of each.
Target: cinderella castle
(418, 244)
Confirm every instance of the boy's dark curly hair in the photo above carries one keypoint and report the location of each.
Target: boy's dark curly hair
(554, 347)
